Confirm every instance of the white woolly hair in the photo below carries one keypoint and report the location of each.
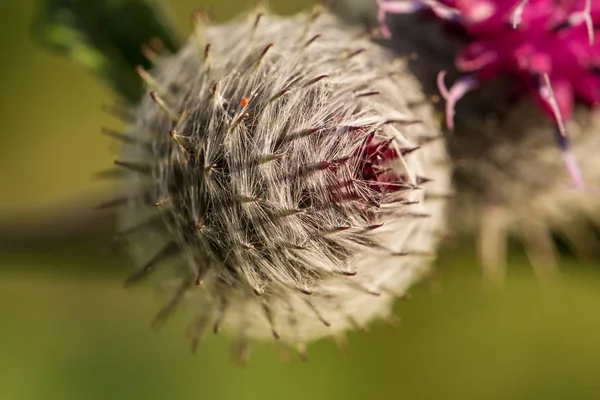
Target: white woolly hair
(514, 182)
(247, 170)
(510, 177)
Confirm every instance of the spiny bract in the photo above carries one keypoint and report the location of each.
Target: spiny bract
(290, 172)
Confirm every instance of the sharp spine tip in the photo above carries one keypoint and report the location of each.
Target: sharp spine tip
(168, 250)
(112, 203)
(368, 94)
(317, 79)
(407, 150)
(311, 40)
(141, 168)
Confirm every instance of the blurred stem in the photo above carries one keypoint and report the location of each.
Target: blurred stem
(105, 37)
(73, 220)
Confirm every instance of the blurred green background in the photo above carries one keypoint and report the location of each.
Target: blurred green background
(68, 330)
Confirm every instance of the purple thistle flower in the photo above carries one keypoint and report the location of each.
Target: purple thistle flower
(546, 46)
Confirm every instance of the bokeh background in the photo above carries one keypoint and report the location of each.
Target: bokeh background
(68, 330)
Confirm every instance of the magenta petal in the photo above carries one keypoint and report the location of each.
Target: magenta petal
(456, 92)
(444, 11)
(546, 46)
(588, 90)
(401, 7)
(517, 13)
(474, 57)
(573, 170)
(557, 100)
(584, 17)
(441, 85)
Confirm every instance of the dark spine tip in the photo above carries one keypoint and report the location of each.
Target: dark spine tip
(264, 52)
(407, 150)
(143, 169)
(311, 40)
(372, 227)
(403, 122)
(368, 94)
(257, 20)
(118, 112)
(111, 204)
(317, 79)
(167, 251)
(355, 53)
(119, 136)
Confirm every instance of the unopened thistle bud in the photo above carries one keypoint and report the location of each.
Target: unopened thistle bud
(284, 178)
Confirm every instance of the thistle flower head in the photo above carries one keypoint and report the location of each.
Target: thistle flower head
(278, 164)
(547, 47)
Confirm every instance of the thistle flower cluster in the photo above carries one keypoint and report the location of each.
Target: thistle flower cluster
(508, 177)
(547, 47)
(290, 172)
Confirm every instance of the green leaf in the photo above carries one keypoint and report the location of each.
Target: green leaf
(105, 36)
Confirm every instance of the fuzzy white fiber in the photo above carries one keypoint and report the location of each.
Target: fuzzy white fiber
(259, 196)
